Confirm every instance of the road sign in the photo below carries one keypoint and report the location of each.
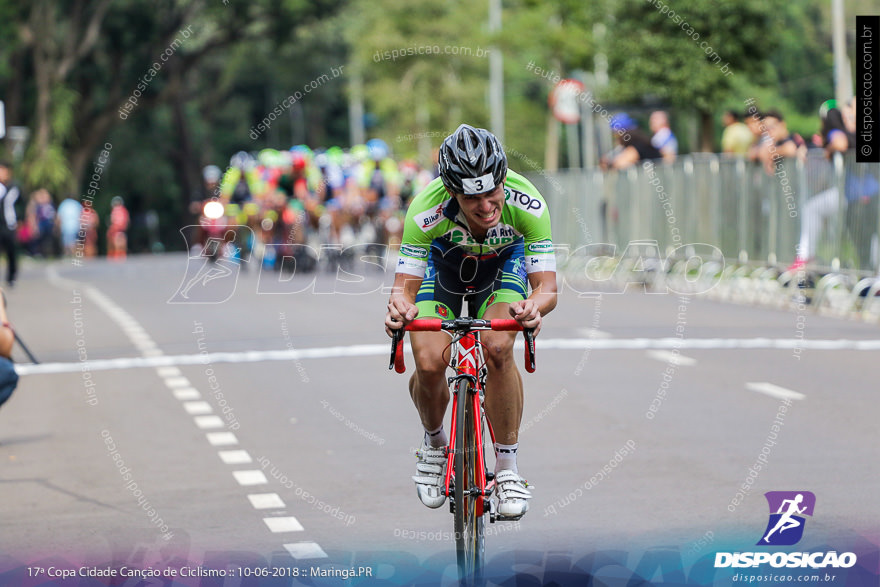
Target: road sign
(564, 100)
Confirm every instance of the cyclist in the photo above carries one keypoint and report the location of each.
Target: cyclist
(484, 228)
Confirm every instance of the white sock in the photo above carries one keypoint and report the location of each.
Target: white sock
(505, 457)
(436, 438)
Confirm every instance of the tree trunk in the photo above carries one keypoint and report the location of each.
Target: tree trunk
(91, 134)
(16, 85)
(42, 20)
(182, 156)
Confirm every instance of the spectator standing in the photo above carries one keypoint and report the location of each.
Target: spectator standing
(10, 211)
(633, 144)
(88, 231)
(736, 137)
(44, 220)
(663, 138)
(116, 238)
(69, 214)
(837, 137)
(780, 144)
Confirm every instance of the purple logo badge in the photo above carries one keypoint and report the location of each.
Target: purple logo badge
(787, 511)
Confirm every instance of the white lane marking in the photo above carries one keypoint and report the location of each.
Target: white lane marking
(266, 501)
(774, 390)
(369, 350)
(672, 358)
(205, 422)
(305, 550)
(196, 408)
(152, 356)
(165, 372)
(250, 477)
(186, 393)
(593, 333)
(174, 382)
(235, 457)
(221, 438)
(288, 524)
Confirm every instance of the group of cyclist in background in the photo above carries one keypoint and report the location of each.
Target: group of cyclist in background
(314, 206)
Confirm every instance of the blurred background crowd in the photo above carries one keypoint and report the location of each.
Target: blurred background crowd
(176, 89)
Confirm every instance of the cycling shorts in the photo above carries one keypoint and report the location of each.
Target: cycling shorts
(489, 279)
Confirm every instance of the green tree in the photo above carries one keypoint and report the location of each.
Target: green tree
(679, 57)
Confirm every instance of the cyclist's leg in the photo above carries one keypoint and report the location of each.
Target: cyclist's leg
(504, 389)
(430, 396)
(427, 386)
(504, 403)
(438, 297)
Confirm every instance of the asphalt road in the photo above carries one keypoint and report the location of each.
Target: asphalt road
(265, 431)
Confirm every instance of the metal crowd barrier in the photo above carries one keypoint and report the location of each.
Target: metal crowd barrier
(745, 211)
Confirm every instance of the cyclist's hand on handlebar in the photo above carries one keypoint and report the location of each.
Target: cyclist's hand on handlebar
(526, 313)
(400, 312)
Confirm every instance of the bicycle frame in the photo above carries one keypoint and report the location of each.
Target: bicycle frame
(469, 369)
(468, 365)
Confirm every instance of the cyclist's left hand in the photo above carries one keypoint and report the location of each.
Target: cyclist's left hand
(526, 313)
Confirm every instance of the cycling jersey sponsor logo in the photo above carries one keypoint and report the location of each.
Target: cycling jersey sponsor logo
(460, 236)
(429, 218)
(500, 230)
(786, 528)
(523, 201)
(441, 310)
(412, 251)
(541, 247)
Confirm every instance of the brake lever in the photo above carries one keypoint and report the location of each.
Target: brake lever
(529, 335)
(396, 339)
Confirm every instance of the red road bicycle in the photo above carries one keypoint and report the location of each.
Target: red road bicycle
(468, 484)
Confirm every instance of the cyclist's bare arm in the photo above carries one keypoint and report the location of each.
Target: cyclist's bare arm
(540, 302)
(402, 303)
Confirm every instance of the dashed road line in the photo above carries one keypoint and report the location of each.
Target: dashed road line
(197, 408)
(774, 390)
(235, 457)
(186, 393)
(266, 501)
(305, 550)
(672, 358)
(286, 524)
(168, 372)
(250, 477)
(204, 418)
(206, 422)
(221, 438)
(177, 382)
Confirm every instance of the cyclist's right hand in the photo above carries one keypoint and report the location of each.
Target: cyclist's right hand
(400, 313)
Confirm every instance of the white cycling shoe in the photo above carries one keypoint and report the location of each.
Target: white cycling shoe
(429, 479)
(512, 495)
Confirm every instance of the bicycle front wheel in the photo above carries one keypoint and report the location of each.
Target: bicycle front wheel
(469, 539)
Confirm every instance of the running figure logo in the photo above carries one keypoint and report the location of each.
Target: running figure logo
(786, 526)
(212, 272)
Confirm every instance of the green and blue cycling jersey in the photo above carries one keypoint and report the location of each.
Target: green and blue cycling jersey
(438, 247)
